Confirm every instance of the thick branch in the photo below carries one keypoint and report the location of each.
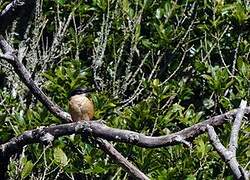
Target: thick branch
(96, 129)
(47, 134)
(229, 157)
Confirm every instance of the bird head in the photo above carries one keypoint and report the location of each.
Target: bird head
(79, 90)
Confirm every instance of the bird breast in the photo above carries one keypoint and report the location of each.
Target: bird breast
(81, 108)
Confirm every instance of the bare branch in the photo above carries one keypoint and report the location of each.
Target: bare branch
(222, 59)
(215, 44)
(230, 154)
(236, 54)
(217, 144)
(229, 157)
(233, 144)
(178, 67)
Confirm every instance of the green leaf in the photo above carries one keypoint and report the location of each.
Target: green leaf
(240, 13)
(98, 169)
(158, 13)
(125, 5)
(208, 103)
(60, 157)
(29, 115)
(27, 169)
(191, 177)
(59, 73)
(201, 148)
(137, 31)
(61, 2)
(248, 153)
(111, 105)
(177, 108)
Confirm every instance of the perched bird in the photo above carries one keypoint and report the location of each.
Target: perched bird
(80, 106)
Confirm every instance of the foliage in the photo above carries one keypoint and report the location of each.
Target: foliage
(157, 67)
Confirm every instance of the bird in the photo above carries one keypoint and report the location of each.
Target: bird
(81, 108)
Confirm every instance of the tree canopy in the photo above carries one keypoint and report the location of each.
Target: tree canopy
(157, 67)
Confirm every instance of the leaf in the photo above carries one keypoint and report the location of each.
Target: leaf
(156, 82)
(229, 83)
(60, 157)
(49, 77)
(137, 32)
(125, 6)
(27, 169)
(177, 108)
(208, 103)
(98, 170)
(111, 105)
(200, 66)
(59, 73)
(61, 2)
(29, 115)
(191, 177)
(201, 148)
(158, 13)
(248, 153)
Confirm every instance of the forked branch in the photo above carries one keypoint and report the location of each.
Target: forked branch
(229, 154)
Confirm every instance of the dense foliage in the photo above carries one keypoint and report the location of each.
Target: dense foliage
(157, 67)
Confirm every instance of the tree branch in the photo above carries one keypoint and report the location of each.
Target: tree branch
(230, 154)
(96, 129)
(224, 153)
(233, 144)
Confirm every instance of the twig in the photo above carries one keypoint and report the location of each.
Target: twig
(236, 54)
(215, 44)
(222, 59)
(177, 69)
(186, 33)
